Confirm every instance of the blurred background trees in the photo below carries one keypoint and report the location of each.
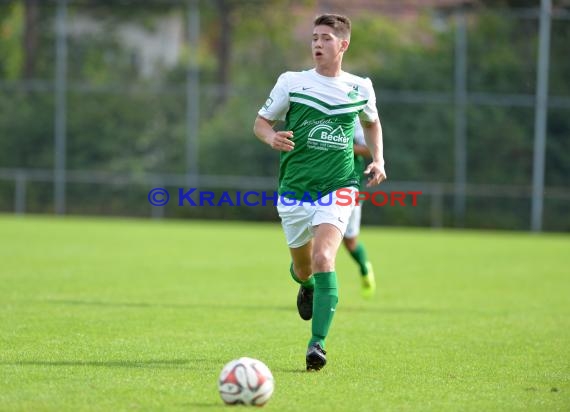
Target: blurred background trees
(127, 76)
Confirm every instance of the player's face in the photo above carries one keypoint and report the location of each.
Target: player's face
(326, 46)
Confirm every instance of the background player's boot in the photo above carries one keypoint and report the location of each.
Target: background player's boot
(316, 358)
(368, 282)
(305, 303)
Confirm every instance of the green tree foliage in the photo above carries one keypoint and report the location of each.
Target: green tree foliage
(402, 55)
(120, 120)
(26, 125)
(11, 51)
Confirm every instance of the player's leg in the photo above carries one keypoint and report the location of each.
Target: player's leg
(329, 225)
(357, 251)
(325, 246)
(295, 220)
(301, 273)
(301, 270)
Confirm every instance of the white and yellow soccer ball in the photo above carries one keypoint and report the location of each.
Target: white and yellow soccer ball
(246, 381)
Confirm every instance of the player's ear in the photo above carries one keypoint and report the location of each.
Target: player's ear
(344, 45)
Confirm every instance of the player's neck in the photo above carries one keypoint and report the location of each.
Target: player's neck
(329, 70)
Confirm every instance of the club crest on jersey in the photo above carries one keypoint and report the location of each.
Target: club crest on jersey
(353, 94)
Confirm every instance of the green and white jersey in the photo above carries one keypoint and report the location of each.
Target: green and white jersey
(321, 112)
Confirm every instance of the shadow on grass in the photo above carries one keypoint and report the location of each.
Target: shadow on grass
(204, 405)
(297, 371)
(201, 306)
(140, 364)
(388, 310)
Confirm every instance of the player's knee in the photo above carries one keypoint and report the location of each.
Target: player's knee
(323, 261)
(303, 272)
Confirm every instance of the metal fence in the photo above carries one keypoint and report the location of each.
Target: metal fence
(447, 199)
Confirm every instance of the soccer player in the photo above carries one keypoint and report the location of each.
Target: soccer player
(319, 107)
(350, 240)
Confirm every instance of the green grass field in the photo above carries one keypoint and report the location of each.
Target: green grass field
(121, 315)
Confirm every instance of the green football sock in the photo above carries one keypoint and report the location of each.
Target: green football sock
(309, 283)
(325, 300)
(359, 255)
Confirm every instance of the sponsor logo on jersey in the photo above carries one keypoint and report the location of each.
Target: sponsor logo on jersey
(328, 134)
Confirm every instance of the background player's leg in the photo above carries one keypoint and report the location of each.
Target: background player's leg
(358, 253)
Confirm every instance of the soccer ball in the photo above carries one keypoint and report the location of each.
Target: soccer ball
(245, 381)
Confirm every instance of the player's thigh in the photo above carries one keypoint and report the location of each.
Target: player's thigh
(326, 241)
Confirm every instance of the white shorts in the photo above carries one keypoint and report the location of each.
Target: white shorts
(353, 227)
(299, 218)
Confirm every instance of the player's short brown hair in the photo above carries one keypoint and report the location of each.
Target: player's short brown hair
(339, 23)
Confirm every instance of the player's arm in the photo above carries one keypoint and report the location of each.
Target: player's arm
(263, 130)
(373, 136)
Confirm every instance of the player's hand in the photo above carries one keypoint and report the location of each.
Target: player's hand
(282, 141)
(376, 174)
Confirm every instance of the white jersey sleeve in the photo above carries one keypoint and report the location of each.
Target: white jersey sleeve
(370, 112)
(277, 104)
